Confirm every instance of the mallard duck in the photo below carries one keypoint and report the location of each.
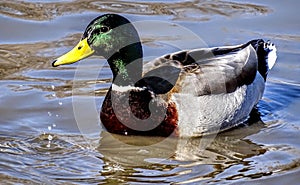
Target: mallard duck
(189, 93)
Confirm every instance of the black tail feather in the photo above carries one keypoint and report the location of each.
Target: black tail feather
(263, 50)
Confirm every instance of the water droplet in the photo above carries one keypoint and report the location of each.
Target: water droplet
(53, 125)
(49, 144)
(54, 95)
(57, 115)
(60, 103)
(49, 127)
(49, 114)
(50, 137)
(52, 87)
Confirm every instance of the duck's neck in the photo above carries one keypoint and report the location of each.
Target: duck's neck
(127, 65)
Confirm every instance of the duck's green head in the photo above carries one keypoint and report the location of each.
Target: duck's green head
(106, 35)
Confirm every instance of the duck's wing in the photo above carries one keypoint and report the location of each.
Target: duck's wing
(206, 71)
(163, 78)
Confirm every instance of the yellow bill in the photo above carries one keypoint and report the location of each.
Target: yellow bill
(79, 52)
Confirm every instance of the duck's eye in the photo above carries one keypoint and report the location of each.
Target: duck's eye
(104, 29)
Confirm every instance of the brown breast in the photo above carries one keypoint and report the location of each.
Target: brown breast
(137, 113)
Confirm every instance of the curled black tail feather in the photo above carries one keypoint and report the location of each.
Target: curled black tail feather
(266, 55)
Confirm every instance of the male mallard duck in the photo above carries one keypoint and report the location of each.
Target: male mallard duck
(187, 93)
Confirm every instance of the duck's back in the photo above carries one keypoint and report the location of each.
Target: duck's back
(216, 88)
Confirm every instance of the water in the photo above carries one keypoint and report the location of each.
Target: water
(49, 128)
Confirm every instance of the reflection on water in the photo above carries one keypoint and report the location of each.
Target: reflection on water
(193, 10)
(185, 160)
(41, 139)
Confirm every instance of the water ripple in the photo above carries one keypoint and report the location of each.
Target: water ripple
(197, 10)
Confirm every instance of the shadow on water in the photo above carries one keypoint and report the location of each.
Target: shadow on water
(176, 160)
(279, 96)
